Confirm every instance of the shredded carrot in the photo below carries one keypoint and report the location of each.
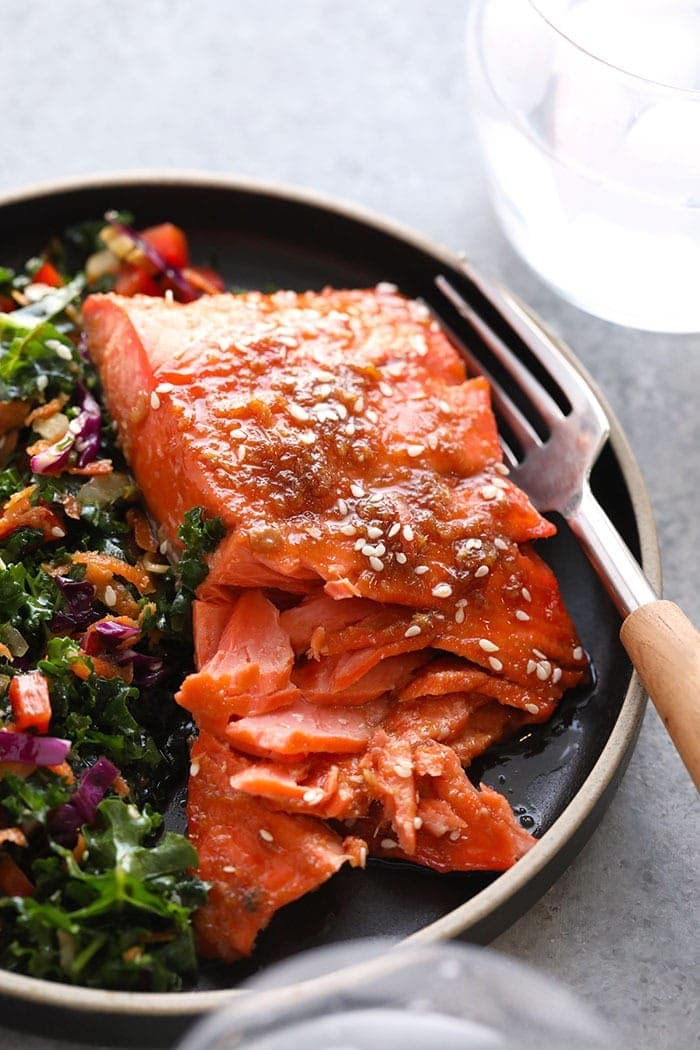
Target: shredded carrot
(91, 470)
(131, 954)
(46, 411)
(5, 653)
(142, 530)
(101, 567)
(16, 769)
(120, 786)
(79, 848)
(63, 770)
(13, 881)
(18, 513)
(12, 415)
(14, 835)
(107, 669)
(80, 669)
(92, 644)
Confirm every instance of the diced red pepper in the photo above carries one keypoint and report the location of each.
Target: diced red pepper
(48, 274)
(170, 242)
(13, 881)
(135, 281)
(31, 703)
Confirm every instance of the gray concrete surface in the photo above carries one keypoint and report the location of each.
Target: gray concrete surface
(366, 101)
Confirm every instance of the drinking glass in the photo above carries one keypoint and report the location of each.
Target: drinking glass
(588, 115)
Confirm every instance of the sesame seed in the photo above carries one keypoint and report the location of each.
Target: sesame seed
(459, 616)
(487, 645)
(526, 594)
(308, 437)
(408, 533)
(155, 400)
(372, 415)
(432, 441)
(57, 532)
(164, 388)
(443, 590)
(578, 653)
(460, 603)
(297, 412)
(539, 654)
(376, 497)
(388, 844)
(556, 675)
(413, 631)
(60, 350)
(313, 796)
(415, 450)
(417, 823)
(164, 547)
(483, 570)
(359, 544)
(520, 614)
(265, 835)
(341, 411)
(401, 558)
(531, 666)
(495, 663)
(499, 483)
(444, 407)
(403, 770)
(232, 781)
(229, 869)
(500, 544)
(501, 468)
(489, 492)
(359, 403)
(373, 532)
(194, 769)
(350, 428)
(323, 390)
(544, 669)
(376, 563)
(357, 491)
(110, 596)
(314, 532)
(42, 382)
(396, 527)
(421, 569)
(242, 450)
(473, 544)
(533, 709)
(454, 835)
(387, 390)
(348, 530)
(342, 506)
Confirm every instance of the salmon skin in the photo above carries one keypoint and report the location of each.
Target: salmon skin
(375, 616)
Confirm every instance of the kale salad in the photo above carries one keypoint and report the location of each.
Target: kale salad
(95, 637)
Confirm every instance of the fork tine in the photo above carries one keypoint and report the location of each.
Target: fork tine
(546, 406)
(519, 425)
(544, 349)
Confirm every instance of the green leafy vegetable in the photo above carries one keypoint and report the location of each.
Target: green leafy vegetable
(118, 919)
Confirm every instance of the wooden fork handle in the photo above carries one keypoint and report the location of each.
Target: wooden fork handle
(665, 649)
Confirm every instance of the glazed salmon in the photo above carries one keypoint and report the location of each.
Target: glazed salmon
(375, 616)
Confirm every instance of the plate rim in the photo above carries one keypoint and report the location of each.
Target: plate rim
(624, 731)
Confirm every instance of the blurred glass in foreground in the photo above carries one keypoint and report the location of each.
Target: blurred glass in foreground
(588, 114)
(438, 997)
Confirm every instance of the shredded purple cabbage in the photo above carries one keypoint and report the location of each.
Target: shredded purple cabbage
(111, 632)
(82, 436)
(173, 273)
(148, 670)
(77, 611)
(67, 820)
(35, 750)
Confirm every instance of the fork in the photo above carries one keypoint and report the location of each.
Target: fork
(554, 471)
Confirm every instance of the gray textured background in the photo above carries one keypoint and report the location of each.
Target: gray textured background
(366, 101)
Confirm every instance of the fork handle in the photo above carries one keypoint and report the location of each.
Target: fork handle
(661, 641)
(665, 649)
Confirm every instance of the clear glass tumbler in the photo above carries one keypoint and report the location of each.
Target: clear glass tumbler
(588, 114)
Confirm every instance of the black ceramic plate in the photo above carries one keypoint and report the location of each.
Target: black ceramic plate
(558, 777)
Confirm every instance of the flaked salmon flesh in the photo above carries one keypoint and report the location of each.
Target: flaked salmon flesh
(375, 617)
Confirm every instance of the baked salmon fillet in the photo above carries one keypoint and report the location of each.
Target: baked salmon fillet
(374, 618)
